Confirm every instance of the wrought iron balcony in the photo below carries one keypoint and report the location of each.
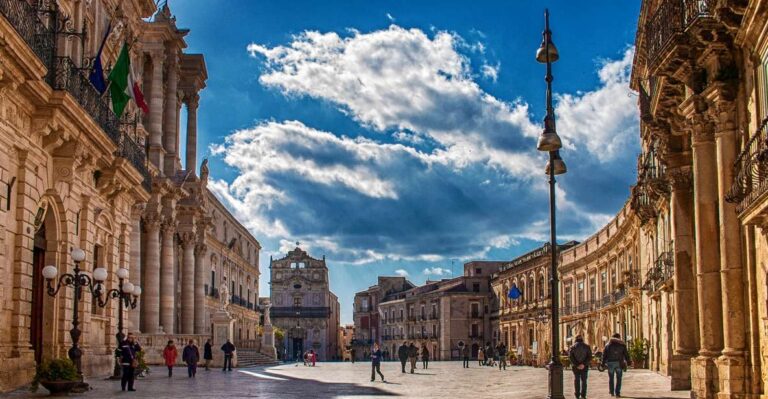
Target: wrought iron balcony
(663, 270)
(26, 19)
(750, 170)
(315, 312)
(671, 19)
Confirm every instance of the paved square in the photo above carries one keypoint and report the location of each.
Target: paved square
(345, 380)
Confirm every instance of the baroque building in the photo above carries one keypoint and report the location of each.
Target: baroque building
(75, 175)
(303, 305)
(365, 314)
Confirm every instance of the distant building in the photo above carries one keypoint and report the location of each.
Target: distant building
(367, 320)
(303, 305)
(443, 315)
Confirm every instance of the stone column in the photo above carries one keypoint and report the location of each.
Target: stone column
(201, 263)
(191, 155)
(686, 323)
(156, 104)
(171, 115)
(150, 315)
(731, 365)
(704, 372)
(135, 268)
(188, 282)
(167, 279)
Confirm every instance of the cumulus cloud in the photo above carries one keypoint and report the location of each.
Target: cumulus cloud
(436, 271)
(603, 121)
(444, 171)
(402, 272)
(491, 71)
(402, 79)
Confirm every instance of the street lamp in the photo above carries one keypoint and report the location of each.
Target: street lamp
(78, 280)
(126, 293)
(550, 142)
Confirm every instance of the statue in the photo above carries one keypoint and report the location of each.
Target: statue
(267, 306)
(224, 296)
(204, 170)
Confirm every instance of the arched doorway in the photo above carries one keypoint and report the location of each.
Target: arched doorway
(44, 252)
(38, 294)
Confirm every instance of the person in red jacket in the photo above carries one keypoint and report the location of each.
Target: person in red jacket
(170, 354)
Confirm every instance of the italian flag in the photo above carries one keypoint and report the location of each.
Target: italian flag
(123, 85)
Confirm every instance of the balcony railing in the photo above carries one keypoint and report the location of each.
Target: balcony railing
(662, 270)
(670, 19)
(26, 19)
(301, 312)
(751, 170)
(475, 315)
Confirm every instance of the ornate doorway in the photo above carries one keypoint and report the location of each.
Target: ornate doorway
(38, 294)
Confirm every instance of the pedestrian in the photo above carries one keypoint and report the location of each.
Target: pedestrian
(413, 356)
(465, 355)
(402, 354)
(376, 363)
(352, 355)
(490, 355)
(129, 361)
(170, 354)
(229, 349)
(580, 355)
(424, 356)
(480, 357)
(191, 356)
(312, 356)
(615, 358)
(207, 354)
(305, 357)
(501, 351)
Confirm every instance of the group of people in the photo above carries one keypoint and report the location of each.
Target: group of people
(129, 358)
(614, 358)
(488, 356)
(411, 353)
(310, 358)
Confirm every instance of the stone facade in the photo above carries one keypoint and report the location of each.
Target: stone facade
(303, 305)
(440, 314)
(366, 317)
(74, 175)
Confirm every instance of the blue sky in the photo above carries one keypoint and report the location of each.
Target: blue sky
(398, 137)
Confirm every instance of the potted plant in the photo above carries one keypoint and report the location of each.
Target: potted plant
(143, 369)
(58, 376)
(637, 349)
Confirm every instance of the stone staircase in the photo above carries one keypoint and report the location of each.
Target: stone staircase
(252, 357)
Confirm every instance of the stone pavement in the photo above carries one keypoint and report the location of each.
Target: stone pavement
(344, 380)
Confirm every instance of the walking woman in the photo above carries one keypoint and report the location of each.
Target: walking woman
(424, 356)
(170, 354)
(376, 363)
(480, 357)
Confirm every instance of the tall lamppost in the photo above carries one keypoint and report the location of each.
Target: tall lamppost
(550, 142)
(126, 294)
(78, 280)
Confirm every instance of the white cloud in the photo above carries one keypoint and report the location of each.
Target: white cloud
(405, 80)
(491, 71)
(605, 120)
(436, 271)
(402, 272)
(390, 18)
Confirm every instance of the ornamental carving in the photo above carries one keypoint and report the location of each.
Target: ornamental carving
(680, 179)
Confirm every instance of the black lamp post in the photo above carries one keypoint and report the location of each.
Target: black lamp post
(78, 280)
(550, 142)
(126, 293)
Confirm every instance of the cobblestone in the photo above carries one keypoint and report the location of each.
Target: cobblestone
(345, 380)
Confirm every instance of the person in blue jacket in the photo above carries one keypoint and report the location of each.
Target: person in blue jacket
(376, 363)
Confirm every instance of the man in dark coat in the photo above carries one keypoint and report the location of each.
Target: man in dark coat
(465, 355)
(580, 356)
(191, 356)
(207, 353)
(501, 352)
(615, 358)
(402, 354)
(228, 348)
(413, 356)
(128, 357)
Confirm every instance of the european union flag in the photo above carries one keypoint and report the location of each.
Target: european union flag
(514, 293)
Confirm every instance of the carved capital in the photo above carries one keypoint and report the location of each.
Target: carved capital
(187, 239)
(200, 249)
(168, 227)
(192, 99)
(723, 114)
(680, 179)
(152, 222)
(701, 128)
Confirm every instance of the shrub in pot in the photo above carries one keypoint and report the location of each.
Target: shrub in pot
(637, 349)
(58, 376)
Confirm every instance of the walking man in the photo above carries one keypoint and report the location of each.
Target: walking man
(580, 355)
(424, 356)
(376, 363)
(615, 358)
(501, 350)
(129, 361)
(228, 348)
(352, 355)
(465, 356)
(207, 354)
(413, 355)
(191, 356)
(402, 354)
